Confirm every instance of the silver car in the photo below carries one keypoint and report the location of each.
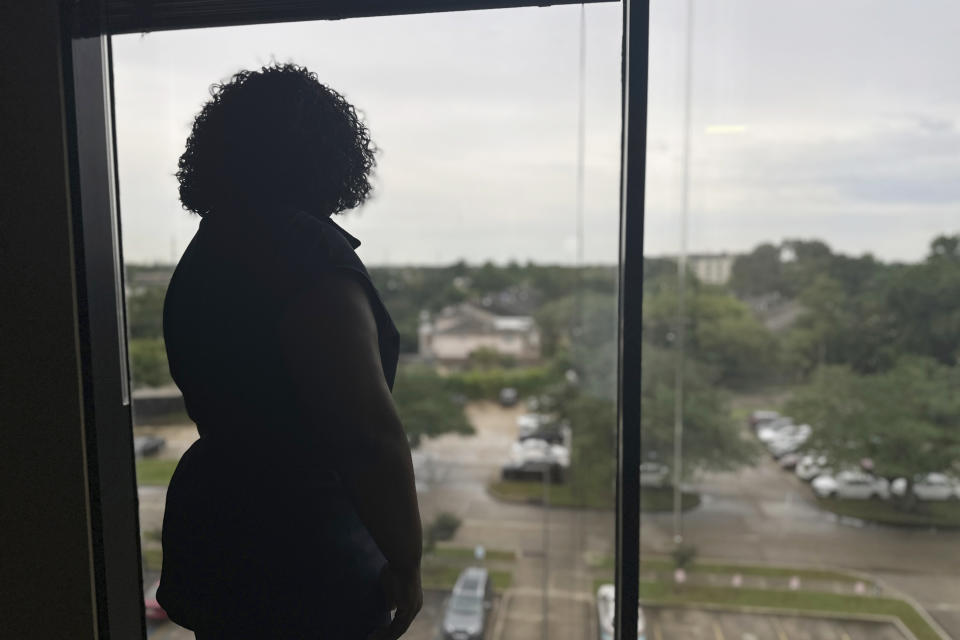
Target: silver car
(465, 613)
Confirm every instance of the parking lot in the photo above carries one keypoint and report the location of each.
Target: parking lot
(669, 623)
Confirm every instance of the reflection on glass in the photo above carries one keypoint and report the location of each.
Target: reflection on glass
(818, 304)
(506, 307)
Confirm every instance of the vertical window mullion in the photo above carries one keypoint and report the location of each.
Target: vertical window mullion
(633, 167)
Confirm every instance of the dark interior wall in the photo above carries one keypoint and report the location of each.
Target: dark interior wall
(45, 557)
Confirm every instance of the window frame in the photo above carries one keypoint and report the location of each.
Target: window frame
(88, 80)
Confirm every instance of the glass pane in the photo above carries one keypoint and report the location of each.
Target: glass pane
(502, 287)
(803, 167)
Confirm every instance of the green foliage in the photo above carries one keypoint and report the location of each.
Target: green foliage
(443, 527)
(485, 384)
(721, 332)
(906, 419)
(582, 332)
(427, 405)
(683, 555)
(145, 313)
(407, 291)
(758, 272)
(148, 363)
(939, 514)
(593, 422)
(489, 358)
(712, 439)
(155, 471)
(924, 303)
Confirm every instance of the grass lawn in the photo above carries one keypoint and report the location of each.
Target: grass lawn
(443, 577)
(152, 558)
(155, 471)
(666, 565)
(465, 554)
(662, 592)
(561, 495)
(927, 514)
(660, 500)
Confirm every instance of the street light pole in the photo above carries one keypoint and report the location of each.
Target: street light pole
(681, 291)
(544, 633)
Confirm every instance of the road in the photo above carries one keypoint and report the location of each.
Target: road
(760, 514)
(763, 514)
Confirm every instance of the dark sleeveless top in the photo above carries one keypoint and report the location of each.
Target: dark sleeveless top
(257, 532)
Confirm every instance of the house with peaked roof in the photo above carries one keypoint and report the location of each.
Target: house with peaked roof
(449, 337)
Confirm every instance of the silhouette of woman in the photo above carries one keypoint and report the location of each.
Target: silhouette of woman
(294, 515)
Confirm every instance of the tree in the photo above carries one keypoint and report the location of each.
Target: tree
(145, 312)
(593, 422)
(148, 363)
(924, 303)
(722, 333)
(426, 406)
(758, 272)
(906, 420)
(712, 439)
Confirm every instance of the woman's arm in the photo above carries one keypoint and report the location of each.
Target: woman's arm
(330, 343)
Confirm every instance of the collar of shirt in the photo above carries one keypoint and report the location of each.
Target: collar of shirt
(351, 239)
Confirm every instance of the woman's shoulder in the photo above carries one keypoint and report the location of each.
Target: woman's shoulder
(310, 243)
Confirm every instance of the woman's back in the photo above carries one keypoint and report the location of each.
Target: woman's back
(258, 485)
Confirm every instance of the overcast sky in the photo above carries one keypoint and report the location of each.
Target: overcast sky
(839, 121)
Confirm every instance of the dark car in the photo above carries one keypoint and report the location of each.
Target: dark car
(508, 396)
(465, 613)
(145, 446)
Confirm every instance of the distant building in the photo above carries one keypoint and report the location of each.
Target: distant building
(450, 336)
(712, 268)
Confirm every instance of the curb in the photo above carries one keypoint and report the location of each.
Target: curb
(863, 575)
(799, 613)
(909, 599)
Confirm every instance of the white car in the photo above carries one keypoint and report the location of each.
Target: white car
(654, 474)
(788, 439)
(811, 465)
(532, 457)
(932, 486)
(605, 611)
(851, 485)
(762, 417)
(772, 429)
(529, 422)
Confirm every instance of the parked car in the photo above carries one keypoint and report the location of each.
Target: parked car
(153, 610)
(532, 457)
(930, 486)
(508, 396)
(528, 423)
(761, 417)
(465, 611)
(605, 610)
(789, 461)
(851, 485)
(771, 429)
(812, 465)
(654, 474)
(788, 439)
(144, 446)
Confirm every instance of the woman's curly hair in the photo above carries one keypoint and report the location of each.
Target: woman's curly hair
(273, 137)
